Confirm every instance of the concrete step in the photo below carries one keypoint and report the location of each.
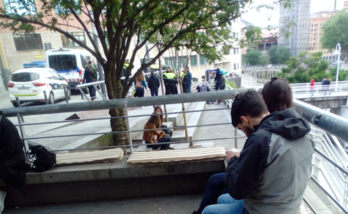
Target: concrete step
(176, 118)
(192, 120)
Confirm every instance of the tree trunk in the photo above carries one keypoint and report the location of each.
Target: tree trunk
(117, 124)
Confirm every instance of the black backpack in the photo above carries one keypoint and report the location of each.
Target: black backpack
(39, 158)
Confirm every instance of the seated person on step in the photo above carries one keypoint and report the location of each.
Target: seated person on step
(159, 111)
(153, 137)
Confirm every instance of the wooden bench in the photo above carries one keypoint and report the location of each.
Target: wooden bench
(175, 156)
(107, 155)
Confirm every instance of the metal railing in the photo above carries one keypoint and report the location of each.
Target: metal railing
(22, 112)
(97, 86)
(325, 123)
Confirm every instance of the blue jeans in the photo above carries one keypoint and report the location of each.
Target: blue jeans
(215, 188)
(226, 205)
(154, 93)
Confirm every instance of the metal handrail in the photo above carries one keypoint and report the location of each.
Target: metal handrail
(108, 118)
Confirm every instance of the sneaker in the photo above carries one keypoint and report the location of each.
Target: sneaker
(2, 200)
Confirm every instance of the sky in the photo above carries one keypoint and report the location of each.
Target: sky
(271, 17)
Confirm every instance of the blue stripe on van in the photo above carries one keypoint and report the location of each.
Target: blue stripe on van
(68, 71)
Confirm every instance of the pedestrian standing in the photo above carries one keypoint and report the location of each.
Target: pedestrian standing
(90, 76)
(312, 87)
(153, 83)
(217, 79)
(188, 81)
(327, 85)
(222, 85)
(140, 85)
(170, 82)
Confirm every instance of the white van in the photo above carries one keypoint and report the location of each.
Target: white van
(69, 63)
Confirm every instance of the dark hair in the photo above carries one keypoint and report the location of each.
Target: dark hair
(277, 95)
(248, 103)
(161, 116)
(155, 118)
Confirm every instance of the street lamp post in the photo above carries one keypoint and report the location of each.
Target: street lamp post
(338, 51)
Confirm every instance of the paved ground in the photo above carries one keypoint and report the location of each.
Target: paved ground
(179, 204)
(221, 115)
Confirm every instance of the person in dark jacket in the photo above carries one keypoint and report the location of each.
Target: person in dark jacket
(153, 84)
(12, 160)
(170, 82)
(89, 77)
(217, 79)
(187, 81)
(271, 173)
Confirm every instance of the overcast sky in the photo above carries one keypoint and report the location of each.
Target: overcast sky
(271, 17)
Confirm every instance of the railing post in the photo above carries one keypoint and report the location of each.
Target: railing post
(345, 195)
(66, 94)
(18, 102)
(129, 134)
(45, 95)
(316, 158)
(20, 122)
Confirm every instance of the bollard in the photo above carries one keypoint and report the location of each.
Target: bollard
(18, 103)
(45, 97)
(66, 94)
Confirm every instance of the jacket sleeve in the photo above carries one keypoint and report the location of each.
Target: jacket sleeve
(243, 173)
(158, 82)
(144, 83)
(10, 139)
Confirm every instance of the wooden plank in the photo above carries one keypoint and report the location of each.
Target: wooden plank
(107, 155)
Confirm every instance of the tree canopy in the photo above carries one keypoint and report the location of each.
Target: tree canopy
(278, 55)
(335, 31)
(255, 57)
(303, 68)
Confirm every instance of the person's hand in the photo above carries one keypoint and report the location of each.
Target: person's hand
(231, 153)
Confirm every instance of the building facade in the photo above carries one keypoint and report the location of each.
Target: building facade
(317, 20)
(299, 13)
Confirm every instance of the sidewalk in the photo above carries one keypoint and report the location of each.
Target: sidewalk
(221, 131)
(178, 204)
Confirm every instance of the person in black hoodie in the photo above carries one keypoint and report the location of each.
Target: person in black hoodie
(271, 173)
(12, 160)
(153, 83)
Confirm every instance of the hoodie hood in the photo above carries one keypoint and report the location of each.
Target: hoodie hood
(288, 124)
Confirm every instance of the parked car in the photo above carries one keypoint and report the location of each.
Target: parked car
(29, 86)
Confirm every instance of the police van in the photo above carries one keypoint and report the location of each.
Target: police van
(69, 63)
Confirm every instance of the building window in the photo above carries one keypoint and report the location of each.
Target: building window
(170, 61)
(24, 7)
(58, 9)
(226, 50)
(202, 60)
(193, 60)
(67, 42)
(27, 42)
(182, 61)
(235, 50)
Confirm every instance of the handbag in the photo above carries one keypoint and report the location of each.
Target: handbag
(39, 158)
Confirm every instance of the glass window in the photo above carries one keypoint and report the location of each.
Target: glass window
(83, 61)
(226, 50)
(193, 60)
(23, 7)
(58, 9)
(182, 61)
(67, 42)
(54, 75)
(202, 60)
(48, 75)
(25, 77)
(170, 61)
(27, 41)
(234, 66)
(62, 62)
